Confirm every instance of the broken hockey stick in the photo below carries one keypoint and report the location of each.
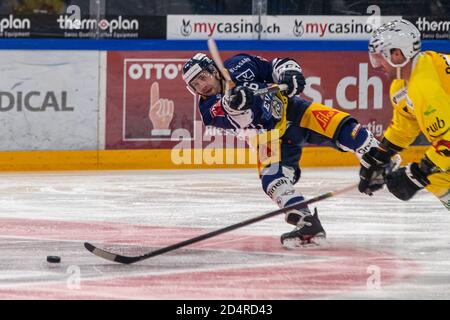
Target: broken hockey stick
(131, 259)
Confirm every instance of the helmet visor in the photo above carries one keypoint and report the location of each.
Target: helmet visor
(204, 83)
(375, 59)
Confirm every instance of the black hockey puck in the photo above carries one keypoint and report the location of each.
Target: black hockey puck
(53, 259)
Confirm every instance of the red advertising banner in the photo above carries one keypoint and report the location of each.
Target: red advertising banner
(149, 107)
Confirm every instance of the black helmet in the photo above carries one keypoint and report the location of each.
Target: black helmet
(195, 65)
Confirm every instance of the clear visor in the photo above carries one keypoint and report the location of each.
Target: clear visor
(375, 59)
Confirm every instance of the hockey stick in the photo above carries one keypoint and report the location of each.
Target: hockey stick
(229, 84)
(131, 259)
(215, 55)
(270, 89)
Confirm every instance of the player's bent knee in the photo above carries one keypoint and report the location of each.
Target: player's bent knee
(279, 184)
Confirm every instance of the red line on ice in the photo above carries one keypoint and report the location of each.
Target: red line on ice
(339, 270)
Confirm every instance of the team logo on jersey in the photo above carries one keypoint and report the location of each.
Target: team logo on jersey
(443, 148)
(246, 76)
(324, 117)
(216, 110)
(435, 127)
(276, 107)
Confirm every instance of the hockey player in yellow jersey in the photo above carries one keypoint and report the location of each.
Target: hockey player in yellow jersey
(420, 95)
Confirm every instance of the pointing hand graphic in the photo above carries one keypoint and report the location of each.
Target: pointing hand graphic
(160, 113)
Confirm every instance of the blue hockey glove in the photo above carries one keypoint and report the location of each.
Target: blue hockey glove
(241, 98)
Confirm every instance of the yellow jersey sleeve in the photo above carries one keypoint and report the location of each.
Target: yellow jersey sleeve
(430, 91)
(404, 127)
(439, 152)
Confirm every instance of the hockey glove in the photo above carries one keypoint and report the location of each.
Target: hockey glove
(241, 98)
(289, 72)
(295, 81)
(406, 181)
(373, 165)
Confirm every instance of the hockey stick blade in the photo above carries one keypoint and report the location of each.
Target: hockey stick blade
(108, 255)
(128, 260)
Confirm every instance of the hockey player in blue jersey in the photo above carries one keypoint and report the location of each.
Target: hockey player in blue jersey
(303, 122)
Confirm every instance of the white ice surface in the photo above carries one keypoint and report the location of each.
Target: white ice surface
(417, 230)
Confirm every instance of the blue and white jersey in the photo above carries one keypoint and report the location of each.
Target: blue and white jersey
(250, 71)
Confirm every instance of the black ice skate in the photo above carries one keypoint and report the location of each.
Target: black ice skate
(309, 230)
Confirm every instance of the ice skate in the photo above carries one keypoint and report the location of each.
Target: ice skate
(308, 232)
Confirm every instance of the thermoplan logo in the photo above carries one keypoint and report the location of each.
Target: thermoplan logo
(119, 24)
(67, 22)
(430, 25)
(14, 23)
(433, 28)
